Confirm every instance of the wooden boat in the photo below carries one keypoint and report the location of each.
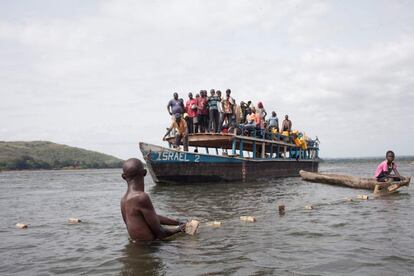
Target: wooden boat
(354, 182)
(227, 157)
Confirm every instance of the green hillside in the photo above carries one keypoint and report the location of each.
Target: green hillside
(48, 155)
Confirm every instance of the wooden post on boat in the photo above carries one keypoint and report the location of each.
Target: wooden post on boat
(233, 147)
(254, 149)
(263, 150)
(271, 150)
(241, 148)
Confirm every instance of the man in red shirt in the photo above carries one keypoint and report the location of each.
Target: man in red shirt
(202, 111)
(191, 110)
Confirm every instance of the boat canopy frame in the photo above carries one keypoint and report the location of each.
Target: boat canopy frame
(263, 146)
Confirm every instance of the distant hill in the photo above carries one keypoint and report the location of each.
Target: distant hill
(48, 155)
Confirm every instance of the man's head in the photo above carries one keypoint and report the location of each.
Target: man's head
(133, 168)
(177, 117)
(175, 95)
(273, 114)
(218, 92)
(190, 95)
(228, 92)
(212, 92)
(286, 117)
(390, 156)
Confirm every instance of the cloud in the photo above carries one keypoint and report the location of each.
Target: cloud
(102, 79)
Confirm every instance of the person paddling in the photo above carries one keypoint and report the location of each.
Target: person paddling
(141, 220)
(384, 170)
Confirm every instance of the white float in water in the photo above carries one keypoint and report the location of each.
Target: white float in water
(248, 218)
(191, 227)
(21, 225)
(74, 220)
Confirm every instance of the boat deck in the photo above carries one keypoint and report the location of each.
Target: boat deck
(225, 141)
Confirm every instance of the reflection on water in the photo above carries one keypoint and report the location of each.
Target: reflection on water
(141, 258)
(337, 237)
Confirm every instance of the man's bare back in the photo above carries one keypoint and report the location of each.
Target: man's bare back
(139, 215)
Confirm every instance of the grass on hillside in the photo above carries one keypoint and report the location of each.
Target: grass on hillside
(48, 155)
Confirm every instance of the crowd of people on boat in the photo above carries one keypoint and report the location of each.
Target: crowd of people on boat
(217, 113)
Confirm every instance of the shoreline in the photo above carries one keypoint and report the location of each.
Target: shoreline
(62, 169)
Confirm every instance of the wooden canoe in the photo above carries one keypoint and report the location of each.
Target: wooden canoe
(352, 181)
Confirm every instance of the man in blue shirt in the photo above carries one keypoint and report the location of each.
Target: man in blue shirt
(273, 122)
(213, 102)
(175, 105)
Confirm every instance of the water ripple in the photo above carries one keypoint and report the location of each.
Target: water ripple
(373, 237)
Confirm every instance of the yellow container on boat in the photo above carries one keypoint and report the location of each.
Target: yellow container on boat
(304, 144)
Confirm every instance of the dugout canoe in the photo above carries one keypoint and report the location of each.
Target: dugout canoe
(352, 181)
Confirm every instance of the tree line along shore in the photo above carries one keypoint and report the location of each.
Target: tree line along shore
(38, 155)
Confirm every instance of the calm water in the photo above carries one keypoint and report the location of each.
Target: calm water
(374, 237)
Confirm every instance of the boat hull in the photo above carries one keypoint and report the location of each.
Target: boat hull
(173, 166)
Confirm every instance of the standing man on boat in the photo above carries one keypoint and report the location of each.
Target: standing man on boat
(273, 122)
(191, 110)
(386, 167)
(175, 105)
(202, 111)
(287, 124)
(180, 125)
(244, 109)
(220, 111)
(228, 106)
(213, 102)
(287, 129)
(138, 213)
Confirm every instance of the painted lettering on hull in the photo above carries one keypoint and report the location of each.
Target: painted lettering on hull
(175, 156)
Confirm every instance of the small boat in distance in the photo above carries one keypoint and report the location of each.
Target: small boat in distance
(229, 157)
(353, 181)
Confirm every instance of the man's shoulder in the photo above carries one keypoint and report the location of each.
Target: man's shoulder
(383, 163)
(138, 197)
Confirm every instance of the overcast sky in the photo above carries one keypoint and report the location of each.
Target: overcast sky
(99, 74)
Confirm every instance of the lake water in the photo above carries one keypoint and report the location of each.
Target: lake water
(373, 237)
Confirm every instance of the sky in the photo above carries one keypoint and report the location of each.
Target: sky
(99, 74)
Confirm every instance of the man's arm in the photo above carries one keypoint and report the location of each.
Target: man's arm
(168, 108)
(152, 219)
(167, 221)
(166, 134)
(397, 174)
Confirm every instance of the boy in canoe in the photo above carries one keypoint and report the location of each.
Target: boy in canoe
(386, 167)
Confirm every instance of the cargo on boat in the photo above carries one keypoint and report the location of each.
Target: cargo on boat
(225, 157)
(352, 181)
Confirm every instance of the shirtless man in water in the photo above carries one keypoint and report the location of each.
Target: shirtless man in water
(141, 220)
